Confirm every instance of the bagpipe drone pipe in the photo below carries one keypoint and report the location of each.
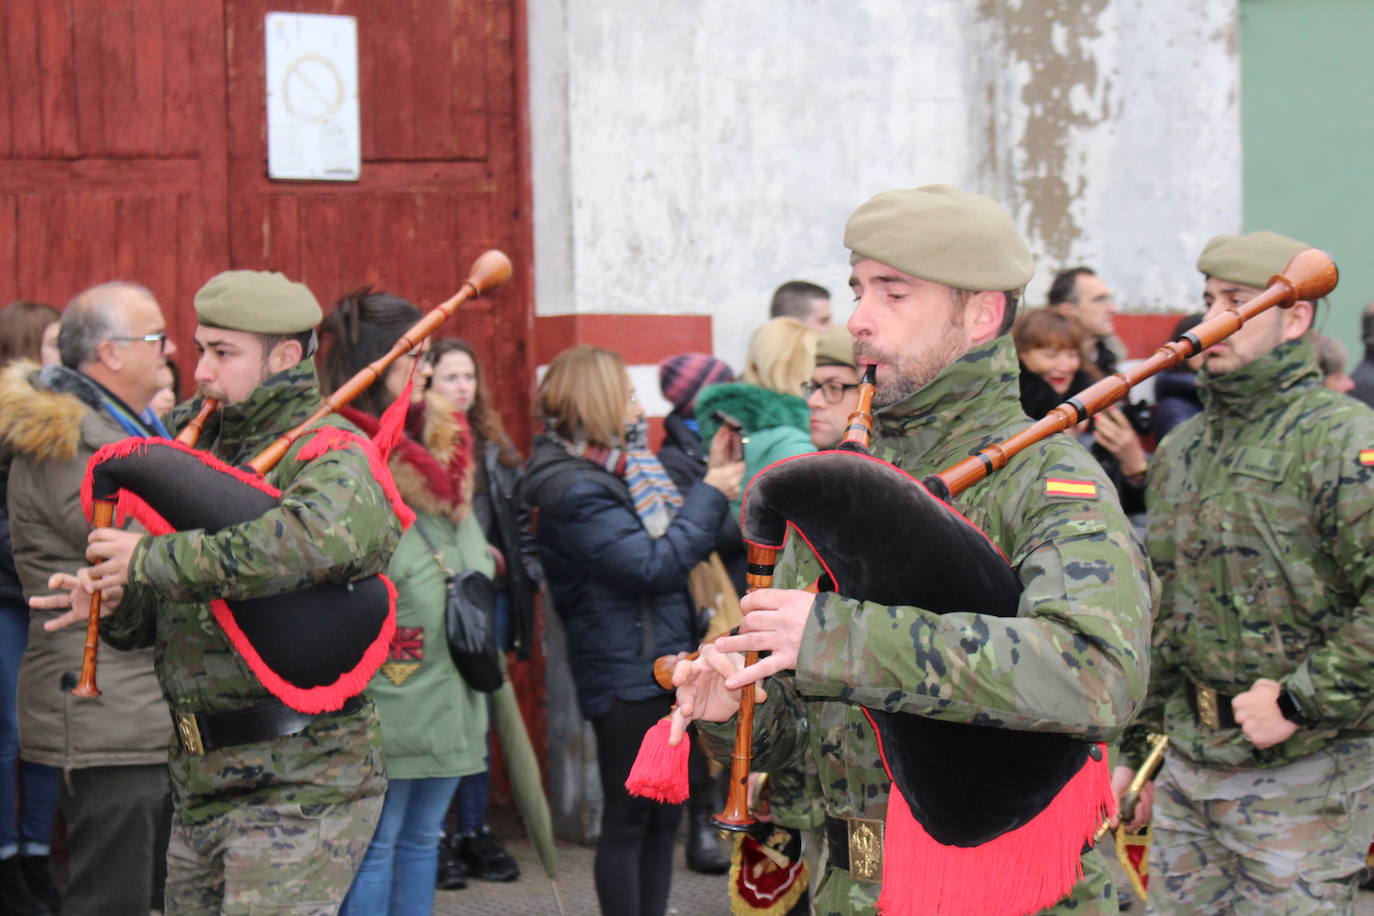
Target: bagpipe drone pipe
(314, 648)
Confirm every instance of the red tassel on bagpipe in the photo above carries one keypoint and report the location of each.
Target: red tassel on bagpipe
(660, 770)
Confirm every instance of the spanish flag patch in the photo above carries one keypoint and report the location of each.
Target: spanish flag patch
(1058, 486)
(1367, 456)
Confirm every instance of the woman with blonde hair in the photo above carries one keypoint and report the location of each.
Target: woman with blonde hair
(617, 541)
(767, 403)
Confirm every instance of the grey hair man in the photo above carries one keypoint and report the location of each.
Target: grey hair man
(115, 796)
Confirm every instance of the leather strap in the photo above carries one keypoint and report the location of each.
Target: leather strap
(837, 838)
(264, 722)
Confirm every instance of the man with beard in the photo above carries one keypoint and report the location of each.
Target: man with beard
(936, 274)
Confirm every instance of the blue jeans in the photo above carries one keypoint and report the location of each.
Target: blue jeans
(26, 817)
(398, 871)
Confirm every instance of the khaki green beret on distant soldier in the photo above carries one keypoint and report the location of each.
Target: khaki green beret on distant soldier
(257, 301)
(836, 348)
(1250, 260)
(944, 235)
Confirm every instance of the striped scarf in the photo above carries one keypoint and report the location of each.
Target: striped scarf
(655, 496)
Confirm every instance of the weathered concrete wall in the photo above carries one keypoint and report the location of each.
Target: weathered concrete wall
(690, 156)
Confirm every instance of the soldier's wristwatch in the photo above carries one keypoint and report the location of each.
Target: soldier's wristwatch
(1291, 710)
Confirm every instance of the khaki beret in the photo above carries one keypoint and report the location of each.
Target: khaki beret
(1250, 260)
(836, 348)
(944, 235)
(257, 301)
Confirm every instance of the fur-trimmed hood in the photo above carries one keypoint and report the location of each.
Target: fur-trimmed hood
(434, 472)
(41, 410)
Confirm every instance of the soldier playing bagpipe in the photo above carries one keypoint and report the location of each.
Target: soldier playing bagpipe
(275, 802)
(936, 275)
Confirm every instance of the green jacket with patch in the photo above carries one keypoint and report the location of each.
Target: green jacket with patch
(1074, 660)
(1262, 534)
(333, 523)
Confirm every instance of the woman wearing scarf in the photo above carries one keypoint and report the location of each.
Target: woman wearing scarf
(433, 724)
(617, 541)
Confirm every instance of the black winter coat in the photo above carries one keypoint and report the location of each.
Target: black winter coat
(621, 594)
(683, 456)
(505, 523)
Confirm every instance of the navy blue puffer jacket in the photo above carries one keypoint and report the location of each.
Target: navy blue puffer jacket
(622, 595)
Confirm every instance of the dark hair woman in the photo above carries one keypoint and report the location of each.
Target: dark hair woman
(471, 850)
(433, 723)
(617, 541)
(28, 791)
(1049, 346)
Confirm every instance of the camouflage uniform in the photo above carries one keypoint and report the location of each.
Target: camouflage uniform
(1261, 532)
(1073, 661)
(281, 822)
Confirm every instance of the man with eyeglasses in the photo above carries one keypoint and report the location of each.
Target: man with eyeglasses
(833, 391)
(113, 793)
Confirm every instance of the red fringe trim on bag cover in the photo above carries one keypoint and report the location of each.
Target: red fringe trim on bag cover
(1021, 871)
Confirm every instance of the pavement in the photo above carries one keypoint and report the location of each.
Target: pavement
(534, 894)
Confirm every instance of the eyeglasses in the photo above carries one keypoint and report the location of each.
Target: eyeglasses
(832, 391)
(160, 338)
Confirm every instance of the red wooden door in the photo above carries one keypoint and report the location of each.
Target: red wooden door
(133, 146)
(112, 149)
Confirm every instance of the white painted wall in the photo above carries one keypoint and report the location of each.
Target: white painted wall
(690, 156)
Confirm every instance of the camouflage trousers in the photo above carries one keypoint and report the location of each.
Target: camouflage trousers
(838, 894)
(269, 858)
(1281, 841)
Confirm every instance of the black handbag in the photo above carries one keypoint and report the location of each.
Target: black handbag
(469, 623)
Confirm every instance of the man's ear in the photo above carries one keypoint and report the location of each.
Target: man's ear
(1298, 319)
(108, 356)
(983, 316)
(285, 355)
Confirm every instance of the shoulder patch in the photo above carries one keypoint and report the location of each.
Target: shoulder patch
(1367, 456)
(1063, 486)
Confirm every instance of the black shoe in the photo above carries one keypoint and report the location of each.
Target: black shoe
(1125, 899)
(486, 859)
(704, 854)
(39, 878)
(453, 874)
(15, 897)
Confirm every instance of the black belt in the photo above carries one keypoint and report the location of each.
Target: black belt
(847, 837)
(1211, 707)
(200, 732)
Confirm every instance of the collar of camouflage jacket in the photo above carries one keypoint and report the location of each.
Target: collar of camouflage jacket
(281, 402)
(1247, 392)
(967, 404)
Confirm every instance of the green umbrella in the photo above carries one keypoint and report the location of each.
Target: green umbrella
(527, 787)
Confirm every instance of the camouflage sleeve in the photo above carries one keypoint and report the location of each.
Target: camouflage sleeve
(333, 523)
(133, 624)
(1074, 660)
(780, 729)
(1333, 683)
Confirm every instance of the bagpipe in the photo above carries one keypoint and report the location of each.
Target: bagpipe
(315, 648)
(982, 821)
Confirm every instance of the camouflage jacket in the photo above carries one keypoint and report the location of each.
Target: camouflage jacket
(1074, 660)
(334, 523)
(1262, 536)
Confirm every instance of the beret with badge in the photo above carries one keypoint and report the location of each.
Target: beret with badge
(1250, 260)
(941, 234)
(257, 301)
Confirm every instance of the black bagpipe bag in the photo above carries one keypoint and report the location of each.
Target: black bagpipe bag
(312, 649)
(984, 820)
